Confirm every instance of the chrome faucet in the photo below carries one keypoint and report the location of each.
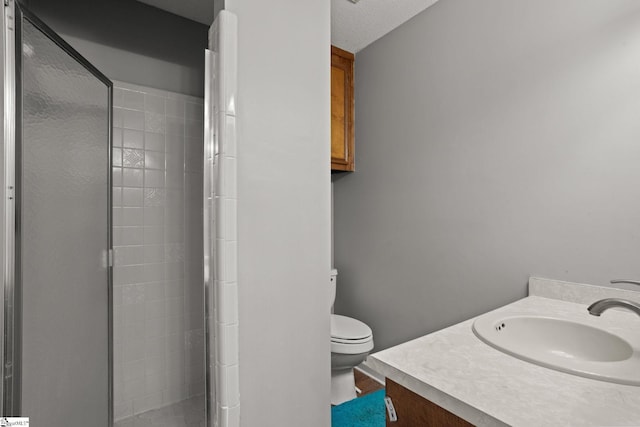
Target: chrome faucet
(598, 307)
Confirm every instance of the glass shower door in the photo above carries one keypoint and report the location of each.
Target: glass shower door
(57, 277)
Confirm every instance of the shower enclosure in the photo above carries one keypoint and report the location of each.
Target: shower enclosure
(57, 220)
(67, 290)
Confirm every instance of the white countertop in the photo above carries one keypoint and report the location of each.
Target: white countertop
(486, 387)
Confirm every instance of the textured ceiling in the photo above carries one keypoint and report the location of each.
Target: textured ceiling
(354, 26)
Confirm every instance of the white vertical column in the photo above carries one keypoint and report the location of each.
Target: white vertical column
(223, 394)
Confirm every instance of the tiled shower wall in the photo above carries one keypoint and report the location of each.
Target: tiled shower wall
(158, 251)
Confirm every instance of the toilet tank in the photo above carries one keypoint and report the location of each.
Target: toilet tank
(332, 287)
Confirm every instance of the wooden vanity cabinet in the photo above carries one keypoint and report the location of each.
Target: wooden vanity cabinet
(342, 110)
(414, 410)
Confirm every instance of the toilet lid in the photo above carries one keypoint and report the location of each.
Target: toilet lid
(345, 328)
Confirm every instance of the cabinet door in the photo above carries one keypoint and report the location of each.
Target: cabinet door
(414, 410)
(342, 110)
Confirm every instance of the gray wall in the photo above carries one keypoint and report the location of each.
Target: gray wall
(218, 5)
(131, 41)
(283, 212)
(495, 140)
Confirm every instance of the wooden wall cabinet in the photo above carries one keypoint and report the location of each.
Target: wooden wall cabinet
(414, 410)
(342, 110)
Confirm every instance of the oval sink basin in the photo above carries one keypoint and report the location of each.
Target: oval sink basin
(563, 345)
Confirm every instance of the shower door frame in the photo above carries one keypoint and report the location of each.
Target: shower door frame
(13, 11)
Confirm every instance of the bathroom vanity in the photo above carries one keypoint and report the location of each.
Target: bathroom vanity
(452, 377)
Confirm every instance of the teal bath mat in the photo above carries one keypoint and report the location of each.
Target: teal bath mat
(366, 411)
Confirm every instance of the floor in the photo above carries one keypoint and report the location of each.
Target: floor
(365, 383)
(188, 413)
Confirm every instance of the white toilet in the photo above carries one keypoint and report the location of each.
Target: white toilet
(351, 342)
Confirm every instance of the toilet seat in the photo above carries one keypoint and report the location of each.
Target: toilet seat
(345, 328)
(350, 336)
(359, 348)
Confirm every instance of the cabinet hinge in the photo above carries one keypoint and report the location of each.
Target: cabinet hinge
(8, 370)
